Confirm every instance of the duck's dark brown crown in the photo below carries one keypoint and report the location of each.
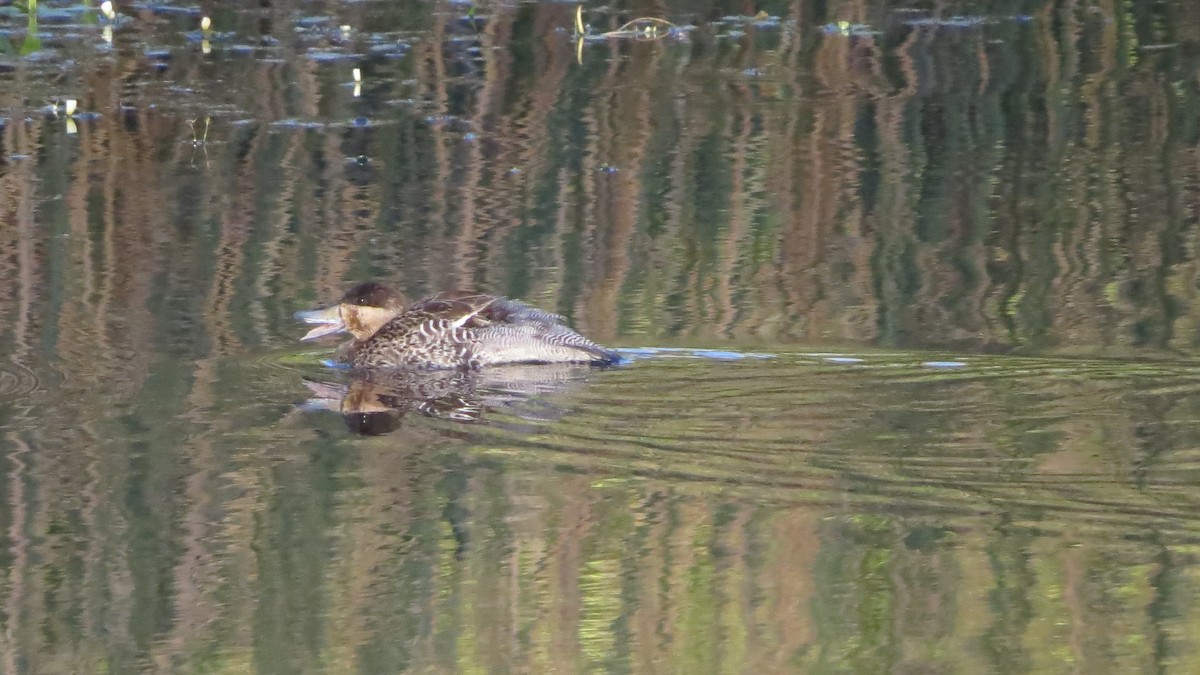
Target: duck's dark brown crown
(369, 294)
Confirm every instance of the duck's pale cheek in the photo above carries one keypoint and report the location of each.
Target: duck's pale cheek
(371, 319)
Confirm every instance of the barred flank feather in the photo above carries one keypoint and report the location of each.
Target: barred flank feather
(536, 343)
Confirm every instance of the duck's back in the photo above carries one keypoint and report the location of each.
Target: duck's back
(485, 309)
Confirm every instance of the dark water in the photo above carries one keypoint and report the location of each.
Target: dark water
(910, 295)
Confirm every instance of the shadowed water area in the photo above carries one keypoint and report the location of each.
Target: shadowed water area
(908, 294)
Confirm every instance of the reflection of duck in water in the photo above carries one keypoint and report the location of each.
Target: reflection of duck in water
(449, 330)
(373, 402)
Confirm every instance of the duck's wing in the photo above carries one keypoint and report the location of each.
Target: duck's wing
(476, 310)
(508, 311)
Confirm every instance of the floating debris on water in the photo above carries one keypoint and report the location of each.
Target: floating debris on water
(324, 55)
(159, 8)
(292, 123)
(964, 21)
(48, 15)
(313, 21)
(848, 29)
(203, 36)
(389, 50)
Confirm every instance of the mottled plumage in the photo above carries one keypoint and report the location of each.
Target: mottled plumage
(452, 329)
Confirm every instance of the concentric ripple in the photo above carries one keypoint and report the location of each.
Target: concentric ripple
(16, 381)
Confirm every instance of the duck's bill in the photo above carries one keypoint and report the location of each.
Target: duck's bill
(329, 320)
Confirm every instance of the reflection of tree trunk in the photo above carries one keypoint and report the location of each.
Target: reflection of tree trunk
(197, 575)
(21, 585)
(620, 132)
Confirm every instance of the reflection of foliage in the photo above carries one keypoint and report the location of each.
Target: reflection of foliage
(32, 41)
(873, 219)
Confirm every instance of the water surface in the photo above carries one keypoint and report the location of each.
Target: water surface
(908, 295)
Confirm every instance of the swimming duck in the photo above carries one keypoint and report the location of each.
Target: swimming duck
(453, 329)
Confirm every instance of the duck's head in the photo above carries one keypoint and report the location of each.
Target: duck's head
(362, 311)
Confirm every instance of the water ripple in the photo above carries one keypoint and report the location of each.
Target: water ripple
(1047, 440)
(17, 381)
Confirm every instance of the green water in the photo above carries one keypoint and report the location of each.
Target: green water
(908, 295)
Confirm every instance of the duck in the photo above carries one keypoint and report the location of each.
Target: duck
(448, 330)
